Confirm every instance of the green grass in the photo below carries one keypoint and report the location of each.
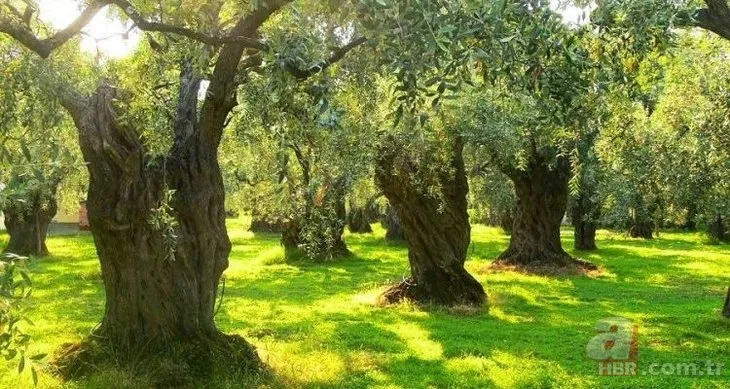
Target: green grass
(316, 326)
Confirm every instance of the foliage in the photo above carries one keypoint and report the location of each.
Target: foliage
(37, 143)
(15, 289)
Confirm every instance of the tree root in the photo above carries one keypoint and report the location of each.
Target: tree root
(409, 290)
(554, 265)
(164, 365)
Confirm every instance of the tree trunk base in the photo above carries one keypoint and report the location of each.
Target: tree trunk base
(544, 263)
(168, 365)
(726, 309)
(265, 226)
(642, 230)
(467, 292)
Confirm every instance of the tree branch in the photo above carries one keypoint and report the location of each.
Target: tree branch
(146, 25)
(221, 97)
(715, 18)
(322, 66)
(43, 47)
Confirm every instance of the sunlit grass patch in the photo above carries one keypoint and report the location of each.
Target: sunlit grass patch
(317, 325)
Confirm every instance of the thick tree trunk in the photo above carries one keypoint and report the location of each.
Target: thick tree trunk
(160, 279)
(28, 227)
(437, 232)
(358, 219)
(726, 307)
(584, 214)
(542, 199)
(393, 229)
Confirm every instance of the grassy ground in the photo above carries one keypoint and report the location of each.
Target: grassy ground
(316, 325)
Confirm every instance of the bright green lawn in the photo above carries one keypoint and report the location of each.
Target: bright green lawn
(316, 325)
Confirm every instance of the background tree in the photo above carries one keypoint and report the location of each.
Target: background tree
(37, 150)
(529, 122)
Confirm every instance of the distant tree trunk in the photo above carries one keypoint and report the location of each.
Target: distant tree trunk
(28, 226)
(290, 234)
(260, 223)
(716, 229)
(726, 308)
(437, 232)
(358, 221)
(319, 230)
(507, 221)
(584, 214)
(641, 225)
(641, 228)
(542, 199)
(690, 222)
(394, 231)
(335, 196)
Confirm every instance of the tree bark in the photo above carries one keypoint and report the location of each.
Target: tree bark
(584, 214)
(158, 286)
(542, 199)
(437, 232)
(726, 308)
(28, 227)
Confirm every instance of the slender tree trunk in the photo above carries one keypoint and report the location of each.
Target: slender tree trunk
(437, 232)
(542, 199)
(393, 229)
(28, 226)
(584, 214)
(726, 307)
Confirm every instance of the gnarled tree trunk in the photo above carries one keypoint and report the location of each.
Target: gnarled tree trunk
(542, 199)
(437, 232)
(158, 286)
(28, 226)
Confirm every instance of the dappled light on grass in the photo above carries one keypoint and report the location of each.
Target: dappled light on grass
(316, 325)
